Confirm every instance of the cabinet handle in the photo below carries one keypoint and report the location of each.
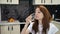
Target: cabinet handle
(10, 0)
(8, 28)
(51, 1)
(44, 1)
(12, 28)
(41, 1)
(7, 0)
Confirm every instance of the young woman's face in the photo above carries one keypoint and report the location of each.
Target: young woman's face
(38, 14)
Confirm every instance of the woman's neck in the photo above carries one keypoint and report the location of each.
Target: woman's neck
(40, 22)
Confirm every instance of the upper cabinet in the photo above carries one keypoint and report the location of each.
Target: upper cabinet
(56, 1)
(47, 2)
(9, 1)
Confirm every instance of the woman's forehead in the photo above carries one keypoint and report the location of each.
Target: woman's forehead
(37, 9)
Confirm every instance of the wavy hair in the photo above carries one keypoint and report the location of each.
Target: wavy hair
(45, 21)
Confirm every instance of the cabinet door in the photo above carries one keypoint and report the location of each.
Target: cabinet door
(3, 1)
(36, 2)
(5, 30)
(47, 1)
(9, 1)
(15, 29)
(15, 2)
(56, 1)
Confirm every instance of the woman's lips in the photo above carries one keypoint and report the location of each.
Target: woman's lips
(36, 16)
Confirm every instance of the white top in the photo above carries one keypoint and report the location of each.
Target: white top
(52, 30)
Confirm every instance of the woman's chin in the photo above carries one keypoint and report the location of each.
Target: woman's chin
(37, 19)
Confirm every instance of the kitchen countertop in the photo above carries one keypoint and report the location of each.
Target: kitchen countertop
(17, 22)
(9, 23)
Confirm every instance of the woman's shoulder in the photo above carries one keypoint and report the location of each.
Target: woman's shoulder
(51, 24)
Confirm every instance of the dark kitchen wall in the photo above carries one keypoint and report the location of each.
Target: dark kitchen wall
(54, 9)
(19, 12)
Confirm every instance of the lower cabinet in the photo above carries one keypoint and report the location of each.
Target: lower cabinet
(10, 29)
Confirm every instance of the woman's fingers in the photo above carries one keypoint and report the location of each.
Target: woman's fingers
(28, 19)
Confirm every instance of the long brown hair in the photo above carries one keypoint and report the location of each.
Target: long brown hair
(45, 21)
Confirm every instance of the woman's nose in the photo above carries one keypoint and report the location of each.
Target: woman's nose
(36, 13)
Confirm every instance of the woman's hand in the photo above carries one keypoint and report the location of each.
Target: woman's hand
(28, 19)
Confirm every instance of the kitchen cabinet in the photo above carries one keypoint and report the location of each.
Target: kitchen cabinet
(16, 28)
(36, 2)
(55, 1)
(4, 30)
(10, 28)
(9, 1)
(46, 2)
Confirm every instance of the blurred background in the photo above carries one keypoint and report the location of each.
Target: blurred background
(25, 7)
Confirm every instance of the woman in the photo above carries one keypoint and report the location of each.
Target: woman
(41, 24)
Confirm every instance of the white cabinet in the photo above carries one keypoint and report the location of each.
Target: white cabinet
(4, 30)
(10, 28)
(46, 2)
(9, 1)
(56, 1)
(16, 29)
(36, 2)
